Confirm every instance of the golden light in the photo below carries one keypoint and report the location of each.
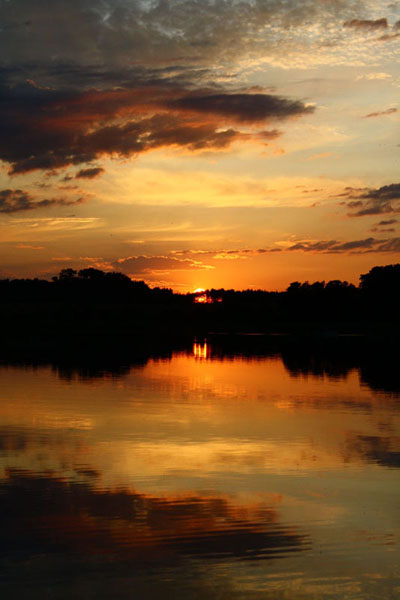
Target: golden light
(201, 296)
(203, 299)
(200, 350)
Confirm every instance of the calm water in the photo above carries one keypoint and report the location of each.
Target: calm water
(202, 475)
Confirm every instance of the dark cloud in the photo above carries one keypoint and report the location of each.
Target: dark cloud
(391, 245)
(383, 226)
(387, 222)
(383, 230)
(89, 173)
(114, 32)
(388, 111)
(243, 107)
(366, 24)
(374, 208)
(355, 246)
(50, 129)
(313, 246)
(75, 76)
(354, 204)
(367, 201)
(12, 201)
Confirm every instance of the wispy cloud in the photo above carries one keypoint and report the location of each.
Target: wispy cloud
(366, 201)
(370, 244)
(29, 247)
(388, 111)
(367, 24)
(58, 223)
(16, 200)
(388, 37)
(153, 264)
(89, 173)
(374, 76)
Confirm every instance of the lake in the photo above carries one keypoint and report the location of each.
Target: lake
(209, 472)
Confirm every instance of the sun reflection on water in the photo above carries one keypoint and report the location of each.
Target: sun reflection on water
(200, 350)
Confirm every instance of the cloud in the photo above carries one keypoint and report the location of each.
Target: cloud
(382, 229)
(387, 222)
(149, 264)
(16, 200)
(355, 246)
(105, 32)
(388, 37)
(391, 245)
(374, 76)
(89, 173)
(370, 26)
(247, 108)
(366, 24)
(58, 223)
(383, 226)
(367, 201)
(313, 246)
(230, 254)
(51, 129)
(226, 256)
(243, 253)
(29, 247)
(388, 111)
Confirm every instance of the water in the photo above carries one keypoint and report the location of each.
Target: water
(204, 475)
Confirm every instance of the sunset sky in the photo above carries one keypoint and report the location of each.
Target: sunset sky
(200, 143)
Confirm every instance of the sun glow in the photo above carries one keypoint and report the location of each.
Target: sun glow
(201, 297)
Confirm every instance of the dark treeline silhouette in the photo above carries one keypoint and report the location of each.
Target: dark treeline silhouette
(77, 307)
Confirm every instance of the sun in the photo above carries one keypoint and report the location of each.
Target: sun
(201, 296)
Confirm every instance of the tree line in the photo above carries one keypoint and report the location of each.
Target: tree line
(93, 301)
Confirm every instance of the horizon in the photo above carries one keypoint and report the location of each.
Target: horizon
(203, 291)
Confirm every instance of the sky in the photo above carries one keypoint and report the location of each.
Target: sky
(200, 143)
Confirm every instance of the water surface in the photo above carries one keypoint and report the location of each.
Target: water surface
(203, 475)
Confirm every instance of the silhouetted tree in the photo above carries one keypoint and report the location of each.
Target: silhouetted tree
(67, 273)
(118, 278)
(91, 273)
(382, 280)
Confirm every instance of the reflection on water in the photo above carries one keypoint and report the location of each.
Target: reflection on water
(200, 350)
(222, 470)
(74, 515)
